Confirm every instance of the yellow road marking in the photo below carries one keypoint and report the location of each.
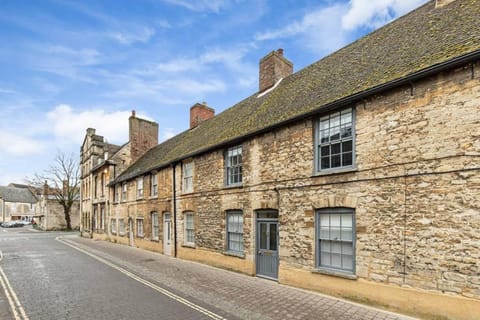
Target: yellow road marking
(12, 298)
(147, 283)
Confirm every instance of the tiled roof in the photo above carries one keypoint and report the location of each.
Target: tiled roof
(12, 194)
(424, 38)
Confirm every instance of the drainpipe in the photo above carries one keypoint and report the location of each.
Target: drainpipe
(174, 212)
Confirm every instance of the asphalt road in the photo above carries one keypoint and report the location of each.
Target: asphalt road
(49, 276)
(43, 278)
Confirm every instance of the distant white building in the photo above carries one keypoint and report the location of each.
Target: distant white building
(17, 203)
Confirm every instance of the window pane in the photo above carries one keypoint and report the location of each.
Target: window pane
(325, 220)
(324, 123)
(346, 219)
(325, 259)
(263, 236)
(325, 246)
(334, 133)
(336, 247)
(347, 159)
(335, 148)
(347, 262)
(346, 116)
(324, 136)
(335, 220)
(335, 119)
(273, 237)
(324, 233)
(325, 162)
(347, 248)
(325, 151)
(336, 260)
(347, 146)
(347, 234)
(335, 161)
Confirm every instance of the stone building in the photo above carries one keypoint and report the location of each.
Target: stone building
(51, 214)
(357, 176)
(101, 162)
(17, 203)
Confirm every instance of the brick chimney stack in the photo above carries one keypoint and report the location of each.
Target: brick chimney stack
(143, 135)
(200, 112)
(273, 67)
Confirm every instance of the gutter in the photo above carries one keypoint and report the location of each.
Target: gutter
(409, 79)
(174, 211)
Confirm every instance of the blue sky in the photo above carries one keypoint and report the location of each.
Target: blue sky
(69, 65)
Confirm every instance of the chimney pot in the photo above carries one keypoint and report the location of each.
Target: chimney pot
(133, 113)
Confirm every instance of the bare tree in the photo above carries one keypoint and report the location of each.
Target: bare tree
(63, 179)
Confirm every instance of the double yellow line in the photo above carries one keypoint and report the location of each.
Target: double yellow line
(167, 293)
(15, 305)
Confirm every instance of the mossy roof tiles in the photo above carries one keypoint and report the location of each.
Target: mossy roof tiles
(425, 37)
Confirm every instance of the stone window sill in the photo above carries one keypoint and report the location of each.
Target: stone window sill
(234, 254)
(335, 171)
(189, 245)
(233, 186)
(335, 273)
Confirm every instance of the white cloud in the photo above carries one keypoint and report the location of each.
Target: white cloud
(320, 29)
(375, 13)
(20, 144)
(143, 35)
(329, 28)
(195, 87)
(200, 5)
(70, 125)
(84, 56)
(167, 133)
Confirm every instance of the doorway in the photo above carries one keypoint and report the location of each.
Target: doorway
(267, 244)
(167, 234)
(130, 231)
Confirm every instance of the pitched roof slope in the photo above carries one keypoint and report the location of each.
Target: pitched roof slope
(425, 37)
(12, 194)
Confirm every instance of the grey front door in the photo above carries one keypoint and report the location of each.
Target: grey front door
(267, 248)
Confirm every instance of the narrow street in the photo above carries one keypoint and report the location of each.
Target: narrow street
(62, 276)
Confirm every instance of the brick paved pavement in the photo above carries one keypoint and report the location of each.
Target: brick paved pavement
(244, 296)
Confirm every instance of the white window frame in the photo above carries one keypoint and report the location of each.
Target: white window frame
(121, 227)
(335, 141)
(140, 188)
(189, 228)
(155, 226)
(140, 230)
(335, 239)
(124, 191)
(113, 226)
(116, 194)
(188, 177)
(154, 185)
(233, 166)
(234, 223)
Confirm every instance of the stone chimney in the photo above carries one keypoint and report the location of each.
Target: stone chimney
(273, 67)
(45, 189)
(441, 3)
(200, 112)
(143, 135)
(90, 131)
